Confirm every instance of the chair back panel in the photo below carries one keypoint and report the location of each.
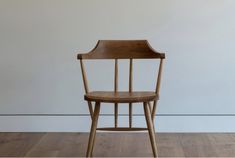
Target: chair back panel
(122, 49)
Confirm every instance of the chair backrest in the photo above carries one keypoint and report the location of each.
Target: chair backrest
(122, 49)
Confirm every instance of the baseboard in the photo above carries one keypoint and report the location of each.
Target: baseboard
(82, 123)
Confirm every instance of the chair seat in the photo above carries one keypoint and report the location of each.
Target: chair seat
(121, 97)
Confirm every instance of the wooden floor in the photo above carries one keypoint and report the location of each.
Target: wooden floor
(116, 144)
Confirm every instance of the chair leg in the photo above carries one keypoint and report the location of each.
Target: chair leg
(93, 144)
(93, 129)
(151, 130)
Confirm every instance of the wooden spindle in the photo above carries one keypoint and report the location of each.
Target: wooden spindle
(159, 77)
(116, 115)
(84, 76)
(130, 90)
(157, 88)
(115, 90)
(86, 87)
(131, 75)
(150, 107)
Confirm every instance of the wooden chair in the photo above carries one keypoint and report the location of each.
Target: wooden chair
(122, 49)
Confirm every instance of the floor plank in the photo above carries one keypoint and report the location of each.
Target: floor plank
(117, 144)
(17, 144)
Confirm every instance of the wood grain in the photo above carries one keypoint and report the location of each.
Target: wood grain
(122, 49)
(115, 90)
(120, 97)
(151, 129)
(122, 129)
(117, 145)
(93, 130)
(18, 144)
(159, 76)
(86, 86)
(130, 90)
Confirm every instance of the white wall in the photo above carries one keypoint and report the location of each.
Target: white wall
(39, 40)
